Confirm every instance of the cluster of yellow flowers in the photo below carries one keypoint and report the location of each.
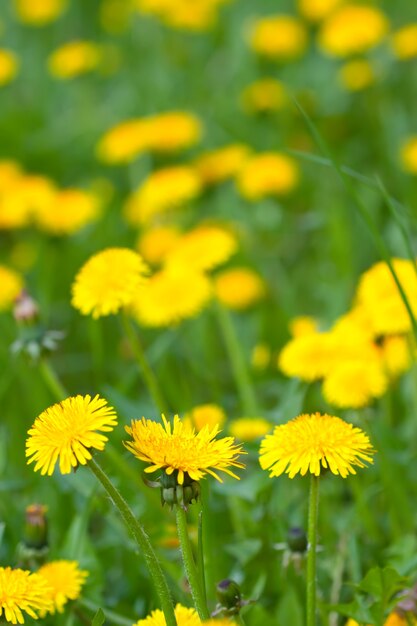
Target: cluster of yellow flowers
(366, 348)
(27, 199)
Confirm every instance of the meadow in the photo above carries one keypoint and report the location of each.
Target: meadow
(208, 312)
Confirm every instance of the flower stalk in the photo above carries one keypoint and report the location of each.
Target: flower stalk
(141, 539)
(312, 550)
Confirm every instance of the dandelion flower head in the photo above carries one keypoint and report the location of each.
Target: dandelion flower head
(39, 13)
(239, 288)
(404, 42)
(125, 141)
(408, 155)
(396, 354)
(156, 242)
(311, 443)
(222, 164)
(73, 59)
(264, 95)
(210, 415)
(65, 432)
(22, 592)
(174, 131)
(317, 10)
(184, 617)
(279, 37)
(23, 197)
(249, 428)
(267, 174)
(109, 281)
(303, 325)
(178, 448)
(11, 284)
(71, 210)
(204, 247)
(65, 580)
(355, 383)
(9, 66)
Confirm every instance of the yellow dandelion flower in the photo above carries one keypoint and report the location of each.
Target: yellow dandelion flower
(378, 294)
(184, 617)
(204, 247)
(198, 16)
(164, 190)
(352, 29)
(172, 295)
(279, 37)
(24, 196)
(355, 323)
(71, 210)
(353, 384)
(155, 243)
(73, 59)
(303, 325)
(10, 171)
(11, 284)
(22, 592)
(9, 66)
(249, 428)
(357, 75)
(109, 281)
(264, 95)
(395, 619)
(210, 415)
(65, 431)
(317, 10)
(222, 164)
(261, 356)
(396, 354)
(311, 443)
(220, 622)
(404, 42)
(39, 13)
(125, 141)
(174, 131)
(178, 448)
(408, 155)
(308, 357)
(267, 174)
(239, 288)
(65, 580)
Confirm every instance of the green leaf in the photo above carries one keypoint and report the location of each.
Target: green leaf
(359, 610)
(98, 619)
(383, 584)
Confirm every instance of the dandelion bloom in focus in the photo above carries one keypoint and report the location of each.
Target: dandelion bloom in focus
(184, 617)
(178, 448)
(352, 29)
(264, 95)
(317, 10)
(279, 37)
(408, 155)
(249, 428)
(311, 443)
(404, 42)
(210, 415)
(203, 248)
(22, 592)
(171, 295)
(239, 288)
(155, 243)
(66, 431)
(65, 580)
(74, 59)
(357, 75)
(9, 66)
(222, 164)
(109, 281)
(164, 190)
(39, 12)
(11, 284)
(69, 212)
(267, 174)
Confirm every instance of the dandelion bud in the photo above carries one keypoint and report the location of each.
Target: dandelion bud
(297, 540)
(36, 527)
(228, 594)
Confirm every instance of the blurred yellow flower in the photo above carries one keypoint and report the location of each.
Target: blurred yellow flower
(249, 428)
(210, 415)
(164, 190)
(10, 171)
(23, 198)
(66, 431)
(261, 356)
(264, 95)
(396, 354)
(352, 29)
(357, 75)
(73, 59)
(353, 384)
(200, 15)
(70, 211)
(303, 325)
(408, 155)
(279, 37)
(174, 131)
(9, 66)
(65, 580)
(204, 247)
(311, 443)
(266, 174)
(124, 142)
(317, 10)
(11, 284)
(404, 42)
(22, 592)
(393, 619)
(239, 288)
(378, 294)
(178, 448)
(184, 617)
(222, 164)
(109, 281)
(155, 243)
(39, 12)
(308, 356)
(171, 295)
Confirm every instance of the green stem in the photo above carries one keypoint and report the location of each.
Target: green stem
(237, 360)
(148, 374)
(200, 556)
(141, 539)
(189, 564)
(52, 381)
(312, 550)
